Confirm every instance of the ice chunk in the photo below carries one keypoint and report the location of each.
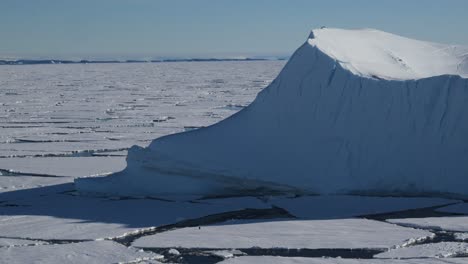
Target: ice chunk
(85, 252)
(353, 111)
(370, 52)
(436, 250)
(61, 216)
(454, 223)
(310, 234)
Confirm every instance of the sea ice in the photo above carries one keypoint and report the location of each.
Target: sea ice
(64, 166)
(305, 234)
(435, 250)
(85, 252)
(62, 216)
(449, 223)
(10, 242)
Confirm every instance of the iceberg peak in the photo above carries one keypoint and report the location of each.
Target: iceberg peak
(374, 53)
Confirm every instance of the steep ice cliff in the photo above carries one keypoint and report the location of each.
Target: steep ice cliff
(352, 111)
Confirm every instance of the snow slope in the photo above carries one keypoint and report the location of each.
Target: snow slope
(352, 111)
(374, 53)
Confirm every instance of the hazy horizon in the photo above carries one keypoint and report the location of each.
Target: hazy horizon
(122, 29)
(139, 57)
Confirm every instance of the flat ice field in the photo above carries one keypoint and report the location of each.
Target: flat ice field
(60, 122)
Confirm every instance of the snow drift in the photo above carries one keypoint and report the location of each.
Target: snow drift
(353, 111)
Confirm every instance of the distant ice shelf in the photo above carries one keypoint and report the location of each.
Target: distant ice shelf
(61, 61)
(353, 111)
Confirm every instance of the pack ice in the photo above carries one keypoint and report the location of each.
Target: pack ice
(353, 111)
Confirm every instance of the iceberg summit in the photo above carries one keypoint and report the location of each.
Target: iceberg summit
(353, 111)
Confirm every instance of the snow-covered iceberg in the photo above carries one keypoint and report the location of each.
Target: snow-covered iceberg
(353, 111)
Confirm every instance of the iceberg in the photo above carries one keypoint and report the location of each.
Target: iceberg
(353, 111)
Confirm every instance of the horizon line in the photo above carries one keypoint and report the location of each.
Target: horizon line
(160, 60)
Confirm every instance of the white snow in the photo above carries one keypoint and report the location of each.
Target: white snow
(296, 260)
(435, 250)
(13, 242)
(452, 223)
(311, 234)
(226, 253)
(67, 119)
(462, 236)
(173, 251)
(77, 109)
(325, 127)
(345, 206)
(370, 52)
(85, 252)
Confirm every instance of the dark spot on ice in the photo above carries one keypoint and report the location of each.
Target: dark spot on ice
(244, 214)
(19, 140)
(311, 35)
(6, 172)
(217, 81)
(193, 256)
(163, 119)
(235, 107)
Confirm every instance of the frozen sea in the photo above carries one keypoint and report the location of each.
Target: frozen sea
(59, 122)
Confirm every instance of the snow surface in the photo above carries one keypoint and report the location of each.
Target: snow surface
(98, 109)
(69, 120)
(461, 236)
(322, 128)
(85, 252)
(370, 52)
(436, 250)
(453, 223)
(9, 242)
(59, 216)
(343, 233)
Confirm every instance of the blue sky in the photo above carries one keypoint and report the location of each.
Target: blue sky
(204, 28)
